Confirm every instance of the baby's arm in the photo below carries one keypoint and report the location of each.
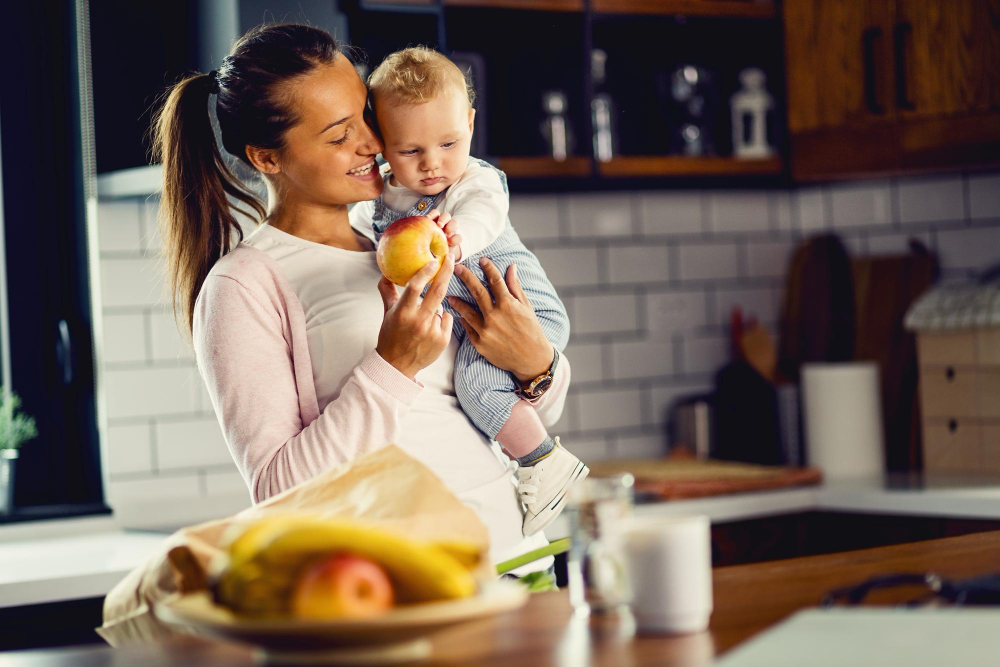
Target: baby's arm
(479, 203)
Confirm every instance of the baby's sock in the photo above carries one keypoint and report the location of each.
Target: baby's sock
(522, 433)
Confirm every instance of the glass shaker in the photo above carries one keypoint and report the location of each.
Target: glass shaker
(598, 575)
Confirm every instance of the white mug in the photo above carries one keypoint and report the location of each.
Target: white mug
(670, 567)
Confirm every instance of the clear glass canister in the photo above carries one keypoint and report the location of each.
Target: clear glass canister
(597, 567)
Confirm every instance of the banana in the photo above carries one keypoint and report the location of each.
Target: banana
(266, 558)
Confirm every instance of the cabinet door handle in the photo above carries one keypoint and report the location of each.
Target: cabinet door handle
(64, 353)
(868, 39)
(899, 34)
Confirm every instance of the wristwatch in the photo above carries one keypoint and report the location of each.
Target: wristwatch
(541, 384)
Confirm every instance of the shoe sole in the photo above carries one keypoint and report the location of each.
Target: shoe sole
(579, 472)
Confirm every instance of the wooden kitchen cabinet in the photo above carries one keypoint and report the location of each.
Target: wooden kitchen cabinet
(888, 86)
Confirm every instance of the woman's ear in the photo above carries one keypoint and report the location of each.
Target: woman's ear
(264, 159)
(472, 118)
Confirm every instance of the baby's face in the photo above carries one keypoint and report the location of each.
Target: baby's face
(427, 145)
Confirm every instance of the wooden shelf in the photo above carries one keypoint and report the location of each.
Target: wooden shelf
(748, 9)
(682, 165)
(545, 167)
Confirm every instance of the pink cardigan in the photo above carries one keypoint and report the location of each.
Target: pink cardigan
(251, 348)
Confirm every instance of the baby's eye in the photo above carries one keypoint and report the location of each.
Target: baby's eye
(409, 152)
(448, 145)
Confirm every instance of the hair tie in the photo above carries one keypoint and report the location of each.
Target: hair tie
(213, 77)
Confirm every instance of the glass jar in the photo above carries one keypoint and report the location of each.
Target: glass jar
(598, 508)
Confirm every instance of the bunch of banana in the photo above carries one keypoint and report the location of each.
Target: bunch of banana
(266, 559)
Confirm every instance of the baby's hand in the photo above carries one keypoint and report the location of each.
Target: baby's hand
(449, 225)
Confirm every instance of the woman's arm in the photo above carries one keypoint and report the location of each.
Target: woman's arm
(247, 365)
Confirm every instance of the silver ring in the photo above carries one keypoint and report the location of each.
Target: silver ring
(440, 311)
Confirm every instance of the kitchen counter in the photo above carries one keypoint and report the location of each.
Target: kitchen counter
(748, 599)
(56, 567)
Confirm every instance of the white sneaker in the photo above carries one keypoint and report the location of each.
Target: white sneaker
(543, 487)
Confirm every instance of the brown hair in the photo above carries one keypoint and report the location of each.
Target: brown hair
(201, 196)
(416, 75)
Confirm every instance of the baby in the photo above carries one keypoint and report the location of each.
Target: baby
(423, 105)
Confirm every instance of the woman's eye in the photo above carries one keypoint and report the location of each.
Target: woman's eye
(337, 142)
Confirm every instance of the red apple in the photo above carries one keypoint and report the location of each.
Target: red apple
(407, 245)
(342, 586)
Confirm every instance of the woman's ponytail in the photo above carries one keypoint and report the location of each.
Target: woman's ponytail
(197, 220)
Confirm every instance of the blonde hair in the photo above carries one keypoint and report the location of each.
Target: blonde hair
(416, 75)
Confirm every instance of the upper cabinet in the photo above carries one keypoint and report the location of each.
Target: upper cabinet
(886, 86)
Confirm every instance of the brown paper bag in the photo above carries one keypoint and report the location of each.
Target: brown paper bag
(387, 488)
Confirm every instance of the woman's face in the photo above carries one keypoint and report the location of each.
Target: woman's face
(329, 155)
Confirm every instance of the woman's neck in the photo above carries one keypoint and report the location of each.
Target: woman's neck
(328, 225)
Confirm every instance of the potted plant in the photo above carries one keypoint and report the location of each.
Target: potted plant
(16, 428)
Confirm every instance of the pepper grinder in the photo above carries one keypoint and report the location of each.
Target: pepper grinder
(750, 106)
(602, 108)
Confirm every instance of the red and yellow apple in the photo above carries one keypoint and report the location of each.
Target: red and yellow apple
(407, 245)
(342, 586)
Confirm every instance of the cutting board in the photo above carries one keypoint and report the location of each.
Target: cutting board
(672, 479)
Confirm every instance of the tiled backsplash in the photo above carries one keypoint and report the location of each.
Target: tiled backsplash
(649, 279)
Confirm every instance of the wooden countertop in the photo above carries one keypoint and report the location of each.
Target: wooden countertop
(748, 599)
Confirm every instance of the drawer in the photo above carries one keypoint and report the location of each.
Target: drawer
(990, 443)
(988, 346)
(952, 445)
(947, 348)
(948, 391)
(988, 391)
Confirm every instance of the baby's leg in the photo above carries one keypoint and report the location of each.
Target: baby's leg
(488, 396)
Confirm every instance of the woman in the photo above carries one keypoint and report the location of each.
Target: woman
(310, 356)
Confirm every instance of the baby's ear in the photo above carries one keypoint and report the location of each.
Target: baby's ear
(472, 118)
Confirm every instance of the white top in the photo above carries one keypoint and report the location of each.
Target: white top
(477, 201)
(343, 311)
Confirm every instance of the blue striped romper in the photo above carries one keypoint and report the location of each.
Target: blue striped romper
(486, 393)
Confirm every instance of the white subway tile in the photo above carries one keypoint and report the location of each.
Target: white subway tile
(610, 409)
(861, 205)
(781, 210)
(166, 488)
(895, 244)
(604, 313)
(671, 213)
(931, 199)
(969, 248)
(118, 225)
(570, 267)
(228, 483)
(739, 211)
(586, 362)
(761, 303)
(811, 204)
(166, 340)
(152, 240)
(708, 261)
(190, 444)
(535, 216)
(768, 260)
(124, 338)
(663, 398)
(652, 445)
(600, 215)
(129, 449)
(132, 282)
(984, 196)
(638, 264)
(669, 312)
(142, 392)
(642, 358)
(705, 354)
(589, 450)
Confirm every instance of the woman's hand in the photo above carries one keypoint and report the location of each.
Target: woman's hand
(505, 329)
(414, 331)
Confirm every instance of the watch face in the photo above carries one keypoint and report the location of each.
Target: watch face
(542, 385)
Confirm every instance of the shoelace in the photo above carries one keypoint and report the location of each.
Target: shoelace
(528, 486)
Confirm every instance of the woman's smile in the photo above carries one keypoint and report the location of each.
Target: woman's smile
(365, 172)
